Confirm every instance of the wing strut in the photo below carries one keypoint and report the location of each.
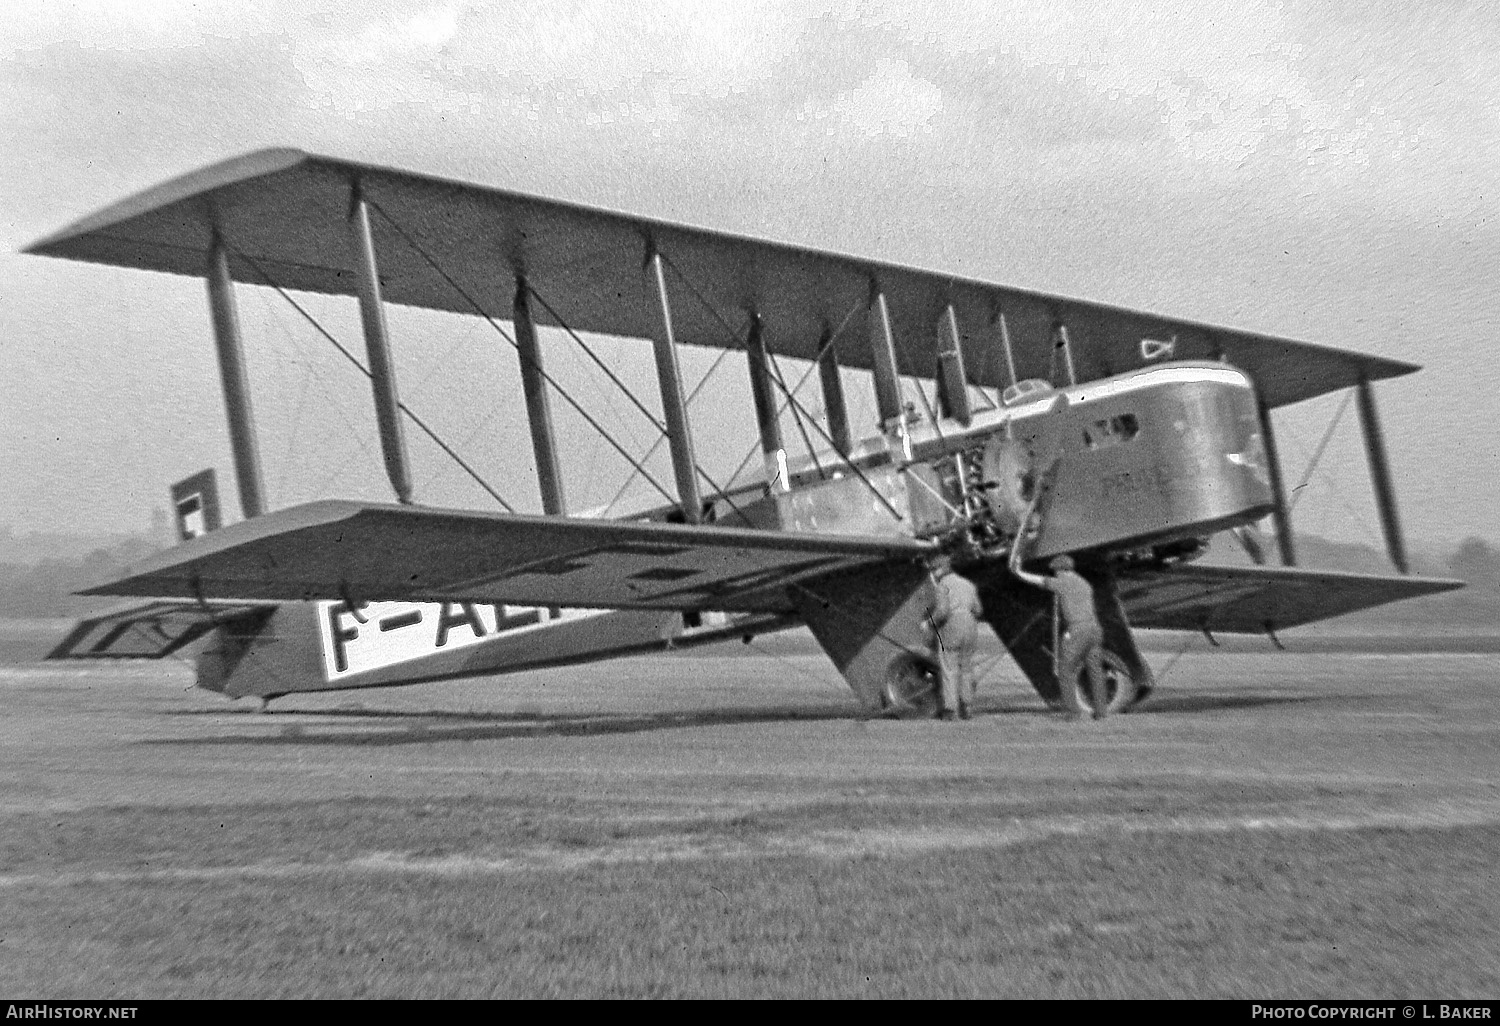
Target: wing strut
(1010, 356)
(302, 311)
(236, 382)
(476, 307)
(953, 381)
(883, 364)
(378, 346)
(765, 409)
(797, 416)
(1282, 514)
(1061, 343)
(791, 393)
(538, 405)
(834, 403)
(669, 376)
(1380, 474)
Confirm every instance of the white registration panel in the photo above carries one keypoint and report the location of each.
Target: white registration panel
(379, 634)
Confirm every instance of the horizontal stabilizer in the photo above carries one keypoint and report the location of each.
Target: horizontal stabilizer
(151, 631)
(283, 216)
(1248, 600)
(366, 552)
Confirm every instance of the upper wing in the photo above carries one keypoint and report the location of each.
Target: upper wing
(1250, 600)
(286, 211)
(150, 631)
(367, 552)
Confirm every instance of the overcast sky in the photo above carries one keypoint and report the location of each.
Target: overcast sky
(1327, 171)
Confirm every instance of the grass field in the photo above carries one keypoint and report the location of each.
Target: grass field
(1277, 826)
(532, 899)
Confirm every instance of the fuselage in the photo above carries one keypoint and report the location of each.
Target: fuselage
(1124, 463)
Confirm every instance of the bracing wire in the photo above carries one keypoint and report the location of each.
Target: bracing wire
(854, 467)
(823, 352)
(418, 421)
(721, 491)
(703, 381)
(750, 452)
(634, 399)
(567, 397)
(926, 404)
(1333, 486)
(841, 610)
(1188, 643)
(479, 309)
(797, 417)
(309, 375)
(791, 398)
(913, 475)
(1317, 455)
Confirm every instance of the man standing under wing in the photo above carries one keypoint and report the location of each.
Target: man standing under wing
(953, 625)
(1082, 638)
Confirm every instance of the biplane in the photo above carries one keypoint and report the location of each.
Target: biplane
(1132, 436)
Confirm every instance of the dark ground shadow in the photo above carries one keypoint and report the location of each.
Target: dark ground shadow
(428, 727)
(1166, 703)
(391, 727)
(1170, 704)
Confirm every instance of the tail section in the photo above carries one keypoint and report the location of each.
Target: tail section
(195, 501)
(266, 649)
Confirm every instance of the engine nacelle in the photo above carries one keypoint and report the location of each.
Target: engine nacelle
(1141, 459)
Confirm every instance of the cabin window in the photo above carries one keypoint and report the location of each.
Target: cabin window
(1111, 431)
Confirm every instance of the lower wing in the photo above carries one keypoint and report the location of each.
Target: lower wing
(1252, 600)
(363, 552)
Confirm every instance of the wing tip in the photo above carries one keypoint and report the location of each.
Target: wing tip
(253, 164)
(178, 561)
(1392, 368)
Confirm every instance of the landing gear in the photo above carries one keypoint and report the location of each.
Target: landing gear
(1024, 618)
(1120, 689)
(911, 688)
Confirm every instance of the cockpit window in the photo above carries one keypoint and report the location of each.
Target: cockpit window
(1102, 434)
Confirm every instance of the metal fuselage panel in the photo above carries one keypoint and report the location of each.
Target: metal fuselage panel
(323, 646)
(1155, 455)
(1171, 454)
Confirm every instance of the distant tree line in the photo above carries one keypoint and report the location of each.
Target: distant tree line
(1477, 562)
(45, 589)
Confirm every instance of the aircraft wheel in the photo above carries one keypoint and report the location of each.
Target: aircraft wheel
(1119, 686)
(911, 688)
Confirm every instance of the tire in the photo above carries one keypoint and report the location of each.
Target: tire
(910, 690)
(1119, 685)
